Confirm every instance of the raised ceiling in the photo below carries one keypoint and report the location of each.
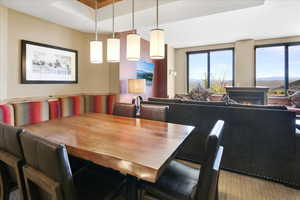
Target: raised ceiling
(187, 22)
(100, 3)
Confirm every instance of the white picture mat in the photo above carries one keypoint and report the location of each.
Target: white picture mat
(49, 64)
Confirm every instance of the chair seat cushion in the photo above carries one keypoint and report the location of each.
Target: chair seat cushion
(99, 183)
(178, 181)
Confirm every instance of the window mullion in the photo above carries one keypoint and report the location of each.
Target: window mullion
(286, 68)
(208, 69)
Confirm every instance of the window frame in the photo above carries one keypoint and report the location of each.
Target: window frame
(286, 46)
(208, 64)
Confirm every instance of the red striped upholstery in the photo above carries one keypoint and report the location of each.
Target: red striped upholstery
(111, 100)
(55, 109)
(96, 103)
(73, 105)
(31, 112)
(7, 114)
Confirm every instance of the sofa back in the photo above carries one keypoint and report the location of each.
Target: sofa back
(257, 141)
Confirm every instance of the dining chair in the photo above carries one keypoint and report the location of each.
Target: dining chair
(11, 160)
(154, 112)
(48, 174)
(182, 182)
(124, 109)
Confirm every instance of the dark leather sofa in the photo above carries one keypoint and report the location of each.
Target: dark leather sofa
(259, 141)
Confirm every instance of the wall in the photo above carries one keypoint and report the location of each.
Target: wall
(244, 60)
(127, 70)
(92, 78)
(171, 68)
(244, 63)
(3, 55)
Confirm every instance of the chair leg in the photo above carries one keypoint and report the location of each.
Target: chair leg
(141, 193)
(4, 190)
(217, 191)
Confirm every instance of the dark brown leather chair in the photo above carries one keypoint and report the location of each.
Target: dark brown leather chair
(11, 160)
(181, 182)
(154, 112)
(48, 174)
(125, 110)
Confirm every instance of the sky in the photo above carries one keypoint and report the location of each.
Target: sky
(270, 62)
(220, 61)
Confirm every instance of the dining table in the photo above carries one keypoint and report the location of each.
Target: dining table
(139, 148)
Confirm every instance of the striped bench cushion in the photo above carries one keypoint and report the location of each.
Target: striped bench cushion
(73, 105)
(55, 109)
(96, 103)
(7, 114)
(31, 112)
(111, 100)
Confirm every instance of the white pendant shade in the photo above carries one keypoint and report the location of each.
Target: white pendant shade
(133, 47)
(96, 52)
(157, 44)
(113, 50)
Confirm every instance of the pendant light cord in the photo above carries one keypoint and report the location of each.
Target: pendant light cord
(157, 14)
(113, 20)
(132, 14)
(96, 18)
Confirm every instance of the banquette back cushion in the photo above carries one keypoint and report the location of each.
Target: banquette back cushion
(73, 105)
(31, 112)
(96, 103)
(7, 115)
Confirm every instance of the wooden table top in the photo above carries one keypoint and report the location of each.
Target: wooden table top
(137, 147)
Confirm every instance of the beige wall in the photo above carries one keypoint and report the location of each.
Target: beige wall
(171, 68)
(92, 78)
(3, 55)
(244, 60)
(244, 63)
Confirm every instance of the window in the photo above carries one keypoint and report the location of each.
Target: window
(210, 69)
(278, 68)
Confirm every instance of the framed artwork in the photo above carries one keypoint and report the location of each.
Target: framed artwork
(145, 70)
(46, 64)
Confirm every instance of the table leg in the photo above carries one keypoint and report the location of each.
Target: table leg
(132, 188)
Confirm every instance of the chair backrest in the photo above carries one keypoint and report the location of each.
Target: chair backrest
(207, 187)
(125, 110)
(46, 162)
(11, 157)
(154, 112)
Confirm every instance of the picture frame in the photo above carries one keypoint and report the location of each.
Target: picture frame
(47, 64)
(145, 70)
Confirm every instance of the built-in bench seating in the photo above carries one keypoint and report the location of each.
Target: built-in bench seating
(26, 112)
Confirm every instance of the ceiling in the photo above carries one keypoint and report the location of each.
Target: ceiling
(187, 22)
(100, 3)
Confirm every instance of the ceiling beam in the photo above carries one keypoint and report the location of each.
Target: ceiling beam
(101, 3)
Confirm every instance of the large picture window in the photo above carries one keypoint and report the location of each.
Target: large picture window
(211, 69)
(278, 68)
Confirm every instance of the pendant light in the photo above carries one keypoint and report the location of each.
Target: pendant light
(96, 46)
(157, 40)
(133, 42)
(113, 44)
